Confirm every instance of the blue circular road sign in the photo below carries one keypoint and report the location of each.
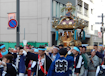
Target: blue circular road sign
(12, 23)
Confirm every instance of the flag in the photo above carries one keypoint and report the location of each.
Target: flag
(11, 16)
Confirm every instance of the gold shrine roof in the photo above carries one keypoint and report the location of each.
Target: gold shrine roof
(66, 23)
(69, 21)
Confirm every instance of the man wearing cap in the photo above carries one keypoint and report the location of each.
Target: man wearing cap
(77, 61)
(43, 61)
(55, 54)
(60, 67)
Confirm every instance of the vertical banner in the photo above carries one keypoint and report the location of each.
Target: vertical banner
(11, 16)
(104, 39)
(100, 34)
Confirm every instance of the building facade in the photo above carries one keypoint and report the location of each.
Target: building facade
(36, 17)
(89, 10)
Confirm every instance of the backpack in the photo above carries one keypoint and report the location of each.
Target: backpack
(101, 72)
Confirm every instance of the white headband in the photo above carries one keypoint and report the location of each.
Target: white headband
(56, 48)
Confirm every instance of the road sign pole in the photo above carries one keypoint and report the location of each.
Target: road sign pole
(18, 20)
(102, 28)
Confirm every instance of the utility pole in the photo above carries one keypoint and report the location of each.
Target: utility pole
(18, 20)
(102, 28)
(102, 31)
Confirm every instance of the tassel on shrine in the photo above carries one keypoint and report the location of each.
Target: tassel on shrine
(83, 38)
(67, 34)
(56, 35)
(63, 33)
(75, 35)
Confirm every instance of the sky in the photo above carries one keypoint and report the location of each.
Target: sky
(98, 10)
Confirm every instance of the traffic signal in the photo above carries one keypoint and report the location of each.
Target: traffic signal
(101, 29)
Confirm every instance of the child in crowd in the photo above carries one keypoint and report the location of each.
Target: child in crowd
(9, 69)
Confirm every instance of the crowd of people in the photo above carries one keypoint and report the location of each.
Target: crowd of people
(56, 61)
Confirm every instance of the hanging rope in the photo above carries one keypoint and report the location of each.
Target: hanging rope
(75, 35)
(63, 33)
(83, 38)
(56, 35)
(70, 35)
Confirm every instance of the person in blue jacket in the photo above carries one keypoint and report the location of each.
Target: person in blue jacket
(55, 54)
(20, 61)
(60, 67)
(3, 50)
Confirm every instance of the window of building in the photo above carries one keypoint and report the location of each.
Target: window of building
(64, 12)
(54, 8)
(95, 43)
(87, 23)
(91, 1)
(80, 6)
(57, 9)
(91, 11)
(80, 3)
(85, 12)
(85, 9)
(91, 27)
(61, 13)
(100, 44)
